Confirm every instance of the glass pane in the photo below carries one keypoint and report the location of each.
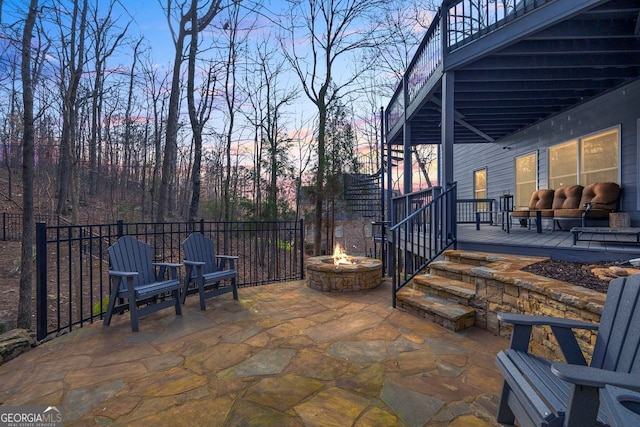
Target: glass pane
(599, 158)
(480, 184)
(563, 165)
(526, 174)
(480, 187)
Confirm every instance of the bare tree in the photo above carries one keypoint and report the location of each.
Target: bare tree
(268, 97)
(104, 44)
(156, 90)
(183, 17)
(331, 30)
(233, 50)
(28, 167)
(72, 60)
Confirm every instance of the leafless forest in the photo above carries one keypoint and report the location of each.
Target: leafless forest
(255, 105)
(251, 111)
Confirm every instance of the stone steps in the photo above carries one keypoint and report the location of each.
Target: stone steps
(458, 281)
(450, 289)
(450, 314)
(446, 294)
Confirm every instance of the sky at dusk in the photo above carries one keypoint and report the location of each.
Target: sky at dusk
(147, 19)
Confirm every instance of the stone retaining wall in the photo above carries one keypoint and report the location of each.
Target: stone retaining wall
(501, 286)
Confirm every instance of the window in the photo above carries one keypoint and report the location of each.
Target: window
(594, 158)
(599, 158)
(563, 165)
(526, 178)
(480, 184)
(480, 187)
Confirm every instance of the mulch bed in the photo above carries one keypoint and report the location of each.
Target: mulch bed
(576, 273)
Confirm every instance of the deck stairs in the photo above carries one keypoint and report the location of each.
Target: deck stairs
(446, 293)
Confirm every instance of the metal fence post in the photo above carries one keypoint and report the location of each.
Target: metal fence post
(302, 248)
(41, 280)
(120, 228)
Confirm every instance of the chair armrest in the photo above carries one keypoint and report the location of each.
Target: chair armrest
(595, 377)
(167, 264)
(193, 269)
(122, 273)
(173, 269)
(193, 263)
(526, 319)
(223, 260)
(562, 329)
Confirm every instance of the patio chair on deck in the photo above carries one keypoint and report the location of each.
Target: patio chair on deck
(133, 277)
(539, 207)
(205, 270)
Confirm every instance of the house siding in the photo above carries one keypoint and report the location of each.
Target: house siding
(620, 107)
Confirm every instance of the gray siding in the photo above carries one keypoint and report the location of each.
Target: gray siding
(620, 107)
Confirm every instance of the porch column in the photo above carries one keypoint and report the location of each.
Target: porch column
(406, 138)
(446, 171)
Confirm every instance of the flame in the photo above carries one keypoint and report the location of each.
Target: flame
(340, 256)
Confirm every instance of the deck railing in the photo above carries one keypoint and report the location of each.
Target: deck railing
(467, 208)
(422, 234)
(72, 264)
(466, 21)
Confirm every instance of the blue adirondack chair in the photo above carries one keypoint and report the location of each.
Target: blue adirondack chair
(205, 270)
(133, 277)
(539, 392)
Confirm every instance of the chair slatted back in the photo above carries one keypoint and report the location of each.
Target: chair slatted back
(130, 254)
(197, 247)
(617, 346)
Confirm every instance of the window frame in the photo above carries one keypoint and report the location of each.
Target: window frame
(578, 154)
(536, 180)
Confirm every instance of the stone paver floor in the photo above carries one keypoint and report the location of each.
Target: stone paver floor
(282, 355)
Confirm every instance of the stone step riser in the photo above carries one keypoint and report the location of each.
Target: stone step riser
(454, 325)
(455, 275)
(452, 290)
(441, 310)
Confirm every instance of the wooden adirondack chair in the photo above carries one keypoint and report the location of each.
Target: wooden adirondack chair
(538, 392)
(133, 277)
(205, 270)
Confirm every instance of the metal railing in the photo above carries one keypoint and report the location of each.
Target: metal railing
(467, 208)
(72, 280)
(466, 21)
(422, 234)
(425, 61)
(11, 224)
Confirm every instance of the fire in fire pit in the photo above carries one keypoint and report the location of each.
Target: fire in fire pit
(340, 256)
(343, 273)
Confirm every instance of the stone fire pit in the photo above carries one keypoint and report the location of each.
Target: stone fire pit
(363, 273)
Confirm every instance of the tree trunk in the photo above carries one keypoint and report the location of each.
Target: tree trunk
(317, 224)
(28, 167)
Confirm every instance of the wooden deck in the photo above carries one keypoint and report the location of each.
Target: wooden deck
(554, 244)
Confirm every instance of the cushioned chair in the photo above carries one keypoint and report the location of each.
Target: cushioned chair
(541, 200)
(596, 202)
(566, 203)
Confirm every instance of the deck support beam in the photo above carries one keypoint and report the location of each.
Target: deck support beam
(406, 137)
(448, 117)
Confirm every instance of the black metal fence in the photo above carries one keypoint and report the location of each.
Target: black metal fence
(72, 280)
(11, 225)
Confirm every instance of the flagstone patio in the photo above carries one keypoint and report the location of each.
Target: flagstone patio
(283, 355)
